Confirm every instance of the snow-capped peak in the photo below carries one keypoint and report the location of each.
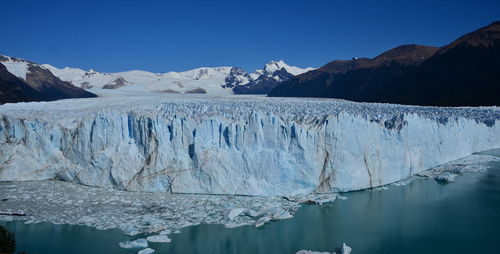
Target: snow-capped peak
(273, 66)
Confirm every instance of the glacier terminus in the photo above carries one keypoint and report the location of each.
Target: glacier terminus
(249, 145)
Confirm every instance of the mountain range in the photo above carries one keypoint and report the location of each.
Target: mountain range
(22, 81)
(218, 80)
(464, 73)
(55, 83)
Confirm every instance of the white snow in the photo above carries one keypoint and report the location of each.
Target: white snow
(17, 67)
(209, 78)
(242, 145)
(277, 65)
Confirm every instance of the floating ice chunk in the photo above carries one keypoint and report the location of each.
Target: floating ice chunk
(235, 225)
(263, 220)
(139, 243)
(158, 239)
(146, 251)
(310, 252)
(235, 212)
(345, 249)
(446, 177)
(280, 214)
(252, 213)
(130, 230)
(166, 232)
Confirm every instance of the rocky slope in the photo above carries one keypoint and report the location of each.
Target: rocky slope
(43, 85)
(13, 89)
(462, 73)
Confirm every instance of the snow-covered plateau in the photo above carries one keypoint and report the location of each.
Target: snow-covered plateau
(218, 81)
(210, 80)
(241, 145)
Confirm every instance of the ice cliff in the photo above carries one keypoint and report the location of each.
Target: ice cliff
(242, 145)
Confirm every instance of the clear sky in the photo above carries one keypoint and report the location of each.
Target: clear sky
(161, 36)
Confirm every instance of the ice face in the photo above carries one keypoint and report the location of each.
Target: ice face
(243, 145)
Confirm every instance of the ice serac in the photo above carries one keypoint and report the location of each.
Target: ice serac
(249, 145)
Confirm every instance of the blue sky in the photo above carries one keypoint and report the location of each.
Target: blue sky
(163, 36)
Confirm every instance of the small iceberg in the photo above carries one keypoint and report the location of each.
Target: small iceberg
(139, 243)
(235, 212)
(146, 251)
(162, 238)
(446, 177)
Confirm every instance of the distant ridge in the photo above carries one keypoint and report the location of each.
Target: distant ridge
(464, 73)
(224, 80)
(24, 81)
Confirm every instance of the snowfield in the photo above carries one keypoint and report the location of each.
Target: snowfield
(234, 145)
(213, 80)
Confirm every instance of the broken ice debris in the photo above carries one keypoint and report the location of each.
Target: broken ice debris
(235, 212)
(158, 239)
(263, 220)
(344, 250)
(446, 177)
(310, 252)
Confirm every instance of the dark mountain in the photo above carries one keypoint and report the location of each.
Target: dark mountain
(356, 79)
(13, 89)
(263, 80)
(463, 73)
(51, 87)
(264, 83)
(39, 84)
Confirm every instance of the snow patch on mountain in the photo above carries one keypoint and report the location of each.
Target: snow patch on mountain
(278, 65)
(15, 66)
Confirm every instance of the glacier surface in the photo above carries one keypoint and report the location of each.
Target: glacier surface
(242, 145)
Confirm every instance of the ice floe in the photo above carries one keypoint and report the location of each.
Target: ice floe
(138, 243)
(161, 238)
(146, 251)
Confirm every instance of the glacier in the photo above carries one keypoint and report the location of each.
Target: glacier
(248, 145)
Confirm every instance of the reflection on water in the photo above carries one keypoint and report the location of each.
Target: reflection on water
(421, 217)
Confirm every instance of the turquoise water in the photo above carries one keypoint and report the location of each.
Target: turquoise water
(421, 217)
